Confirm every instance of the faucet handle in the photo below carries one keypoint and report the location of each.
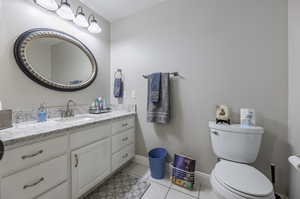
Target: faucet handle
(72, 113)
(62, 113)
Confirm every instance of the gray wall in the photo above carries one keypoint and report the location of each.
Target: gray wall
(229, 51)
(294, 92)
(19, 92)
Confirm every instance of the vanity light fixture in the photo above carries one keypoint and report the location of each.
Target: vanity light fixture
(80, 19)
(47, 4)
(94, 27)
(65, 11)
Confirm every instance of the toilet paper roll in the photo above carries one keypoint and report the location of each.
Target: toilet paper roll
(295, 161)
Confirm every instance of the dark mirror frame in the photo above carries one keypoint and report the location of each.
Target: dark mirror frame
(20, 56)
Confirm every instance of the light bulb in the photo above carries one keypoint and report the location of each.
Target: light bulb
(94, 27)
(65, 11)
(80, 20)
(47, 4)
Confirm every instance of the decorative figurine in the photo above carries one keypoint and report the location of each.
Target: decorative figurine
(222, 114)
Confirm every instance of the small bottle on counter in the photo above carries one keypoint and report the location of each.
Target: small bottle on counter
(42, 113)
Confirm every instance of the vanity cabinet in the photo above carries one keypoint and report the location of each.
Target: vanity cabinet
(90, 165)
(70, 164)
(91, 161)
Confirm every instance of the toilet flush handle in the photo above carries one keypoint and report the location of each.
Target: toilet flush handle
(215, 132)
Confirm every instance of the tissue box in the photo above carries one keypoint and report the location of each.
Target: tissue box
(5, 119)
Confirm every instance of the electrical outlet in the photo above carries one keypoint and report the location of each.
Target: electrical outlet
(133, 94)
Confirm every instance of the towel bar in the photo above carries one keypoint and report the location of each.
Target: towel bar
(174, 74)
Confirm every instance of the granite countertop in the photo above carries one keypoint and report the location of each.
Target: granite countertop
(30, 131)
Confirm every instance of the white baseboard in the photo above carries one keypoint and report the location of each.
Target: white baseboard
(142, 160)
(139, 159)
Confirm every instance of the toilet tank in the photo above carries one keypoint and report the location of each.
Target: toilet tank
(236, 143)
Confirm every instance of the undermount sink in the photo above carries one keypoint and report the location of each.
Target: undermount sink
(55, 121)
(80, 118)
(35, 124)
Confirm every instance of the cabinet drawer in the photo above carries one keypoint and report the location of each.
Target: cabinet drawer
(60, 192)
(30, 183)
(89, 135)
(30, 155)
(122, 124)
(121, 140)
(120, 158)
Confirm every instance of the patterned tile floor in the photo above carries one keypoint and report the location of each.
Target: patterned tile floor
(164, 189)
(121, 186)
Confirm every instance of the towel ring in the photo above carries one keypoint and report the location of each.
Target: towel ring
(119, 71)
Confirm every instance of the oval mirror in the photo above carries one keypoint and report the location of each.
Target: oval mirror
(55, 59)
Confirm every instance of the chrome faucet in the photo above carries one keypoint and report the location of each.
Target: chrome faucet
(69, 112)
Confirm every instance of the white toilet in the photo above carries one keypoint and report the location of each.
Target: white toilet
(236, 147)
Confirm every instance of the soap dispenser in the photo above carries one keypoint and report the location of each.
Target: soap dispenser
(42, 113)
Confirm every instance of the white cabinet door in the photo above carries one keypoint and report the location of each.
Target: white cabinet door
(90, 165)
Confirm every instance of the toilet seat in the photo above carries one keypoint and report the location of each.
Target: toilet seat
(235, 180)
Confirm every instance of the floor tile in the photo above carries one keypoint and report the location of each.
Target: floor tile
(206, 192)
(172, 194)
(120, 185)
(203, 179)
(156, 191)
(165, 181)
(138, 170)
(194, 193)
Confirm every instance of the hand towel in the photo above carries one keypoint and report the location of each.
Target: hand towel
(155, 79)
(160, 112)
(118, 88)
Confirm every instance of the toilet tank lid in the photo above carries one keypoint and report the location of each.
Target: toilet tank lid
(243, 178)
(236, 128)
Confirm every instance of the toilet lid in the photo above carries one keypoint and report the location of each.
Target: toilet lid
(243, 178)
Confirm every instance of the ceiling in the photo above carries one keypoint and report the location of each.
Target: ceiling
(113, 10)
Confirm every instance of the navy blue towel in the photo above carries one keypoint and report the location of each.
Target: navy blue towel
(155, 80)
(118, 88)
(160, 112)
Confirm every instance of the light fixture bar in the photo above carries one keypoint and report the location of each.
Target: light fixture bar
(47, 4)
(64, 10)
